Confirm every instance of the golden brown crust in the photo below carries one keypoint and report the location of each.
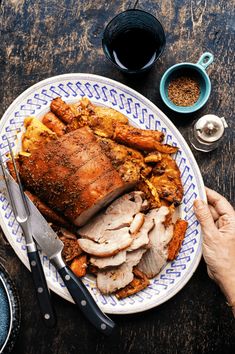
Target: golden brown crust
(166, 179)
(55, 172)
(171, 208)
(102, 120)
(153, 157)
(152, 200)
(51, 121)
(165, 148)
(139, 283)
(70, 174)
(11, 169)
(128, 162)
(174, 245)
(71, 249)
(36, 135)
(49, 214)
(83, 111)
(62, 110)
(150, 191)
(82, 107)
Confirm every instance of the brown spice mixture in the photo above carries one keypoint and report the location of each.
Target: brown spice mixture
(184, 91)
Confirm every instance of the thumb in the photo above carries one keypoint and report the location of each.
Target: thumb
(204, 216)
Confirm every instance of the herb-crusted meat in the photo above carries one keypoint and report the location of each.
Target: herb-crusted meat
(72, 175)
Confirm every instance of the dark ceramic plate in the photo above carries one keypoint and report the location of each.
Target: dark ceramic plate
(9, 312)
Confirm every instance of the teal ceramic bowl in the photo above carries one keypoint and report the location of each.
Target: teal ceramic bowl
(198, 71)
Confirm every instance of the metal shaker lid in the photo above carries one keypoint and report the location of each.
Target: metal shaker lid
(210, 128)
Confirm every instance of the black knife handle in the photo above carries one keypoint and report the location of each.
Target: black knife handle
(42, 292)
(85, 302)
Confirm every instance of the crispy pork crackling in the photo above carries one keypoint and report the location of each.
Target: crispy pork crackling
(72, 175)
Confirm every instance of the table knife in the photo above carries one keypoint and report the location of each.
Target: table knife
(52, 246)
(22, 215)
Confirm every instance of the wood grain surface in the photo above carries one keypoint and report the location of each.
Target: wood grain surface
(43, 38)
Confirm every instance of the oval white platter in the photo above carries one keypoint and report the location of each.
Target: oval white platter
(141, 113)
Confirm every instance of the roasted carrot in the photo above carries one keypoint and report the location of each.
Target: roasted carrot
(62, 110)
(136, 138)
(139, 282)
(177, 239)
(54, 123)
(79, 265)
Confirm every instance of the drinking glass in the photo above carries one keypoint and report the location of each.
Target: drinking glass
(133, 41)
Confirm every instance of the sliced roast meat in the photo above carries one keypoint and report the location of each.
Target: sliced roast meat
(135, 256)
(164, 238)
(113, 261)
(130, 203)
(118, 277)
(156, 256)
(102, 222)
(118, 215)
(141, 238)
(137, 223)
(151, 263)
(114, 279)
(110, 243)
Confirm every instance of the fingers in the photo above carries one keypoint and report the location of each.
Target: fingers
(214, 213)
(204, 216)
(210, 273)
(220, 204)
(226, 223)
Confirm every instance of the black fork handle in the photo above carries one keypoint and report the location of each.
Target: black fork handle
(42, 292)
(85, 302)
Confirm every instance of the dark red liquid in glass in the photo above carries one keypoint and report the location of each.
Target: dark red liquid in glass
(135, 48)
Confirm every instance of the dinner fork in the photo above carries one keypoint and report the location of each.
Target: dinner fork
(22, 214)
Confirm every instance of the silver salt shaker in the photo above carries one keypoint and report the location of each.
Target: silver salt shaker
(207, 132)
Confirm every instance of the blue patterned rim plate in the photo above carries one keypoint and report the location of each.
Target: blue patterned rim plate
(9, 312)
(143, 114)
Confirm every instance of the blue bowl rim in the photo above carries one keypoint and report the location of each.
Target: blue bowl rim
(14, 308)
(169, 103)
(9, 303)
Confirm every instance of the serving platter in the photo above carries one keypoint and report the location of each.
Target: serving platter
(141, 113)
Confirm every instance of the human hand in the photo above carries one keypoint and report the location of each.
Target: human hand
(217, 220)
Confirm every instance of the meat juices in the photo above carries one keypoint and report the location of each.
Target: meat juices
(73, 176)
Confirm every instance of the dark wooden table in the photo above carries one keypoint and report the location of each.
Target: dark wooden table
(43, 38)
